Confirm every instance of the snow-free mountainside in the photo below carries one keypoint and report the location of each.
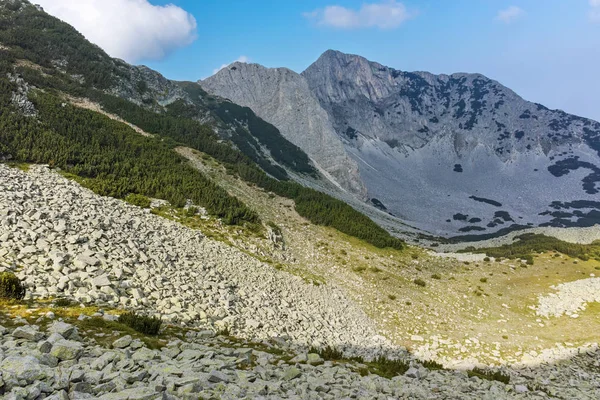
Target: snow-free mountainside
(452, 154)
(270, 235)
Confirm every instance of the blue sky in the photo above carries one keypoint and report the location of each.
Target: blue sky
(547, 51)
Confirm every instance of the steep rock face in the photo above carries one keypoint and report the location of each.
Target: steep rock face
(459, 153)
(283, 98)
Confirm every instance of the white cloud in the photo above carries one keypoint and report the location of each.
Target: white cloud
(595, 11)
(242, 59)
(511, 14)
(388, 14)
(133, 30)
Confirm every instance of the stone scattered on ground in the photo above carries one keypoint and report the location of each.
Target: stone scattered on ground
(217, 367)
(64, 241)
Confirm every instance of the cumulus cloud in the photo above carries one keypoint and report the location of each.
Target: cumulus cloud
(133, 30)
(595, 11)
(510, 14)
(242, 59)
(388, 14)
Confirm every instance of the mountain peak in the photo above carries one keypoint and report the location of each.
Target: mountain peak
(338, 58)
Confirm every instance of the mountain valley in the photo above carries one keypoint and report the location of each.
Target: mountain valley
(352, 231)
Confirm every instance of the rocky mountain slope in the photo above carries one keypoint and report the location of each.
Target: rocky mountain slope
(69, 241)
(105, 256)
(451, 154)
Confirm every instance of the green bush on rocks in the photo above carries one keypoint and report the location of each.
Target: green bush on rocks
(489, 375)
(138, 200)
(141, 323)
(11, 287)
(420, 282)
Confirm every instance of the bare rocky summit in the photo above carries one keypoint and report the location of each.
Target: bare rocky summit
(283, 98)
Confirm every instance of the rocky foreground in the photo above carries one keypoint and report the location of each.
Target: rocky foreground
(59, 364)
(64, 241)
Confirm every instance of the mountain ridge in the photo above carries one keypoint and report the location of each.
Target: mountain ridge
(417, 136)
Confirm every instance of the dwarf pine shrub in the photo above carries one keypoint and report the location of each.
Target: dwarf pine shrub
(141, 323)
(11, 287)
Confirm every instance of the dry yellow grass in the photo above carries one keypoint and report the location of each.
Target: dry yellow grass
(487, 301)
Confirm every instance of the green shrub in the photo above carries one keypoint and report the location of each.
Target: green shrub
(436, 276)
(391, 297)
(328, 353)
(388, 368)
(483, 280)
(432, 365)
(141, 323)
(489, 375)
(63, 303)
(486, 259)
(528, 259)
(420, 282)
(11, 287)
(274, 227)
(138, 200)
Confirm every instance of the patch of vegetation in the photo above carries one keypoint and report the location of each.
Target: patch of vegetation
(487, 201)
(275, 228)
(436, 276)
(11, 287)
(387, 368)
(529, 244)
(281, 149)
(63, 303)
(141, 323)
(22, 166)
(328, 353)
(433, 365)
(108, 156)
(138, 200)
(489, 375)
(420, 282)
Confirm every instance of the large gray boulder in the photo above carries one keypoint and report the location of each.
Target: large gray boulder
(24, 368)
